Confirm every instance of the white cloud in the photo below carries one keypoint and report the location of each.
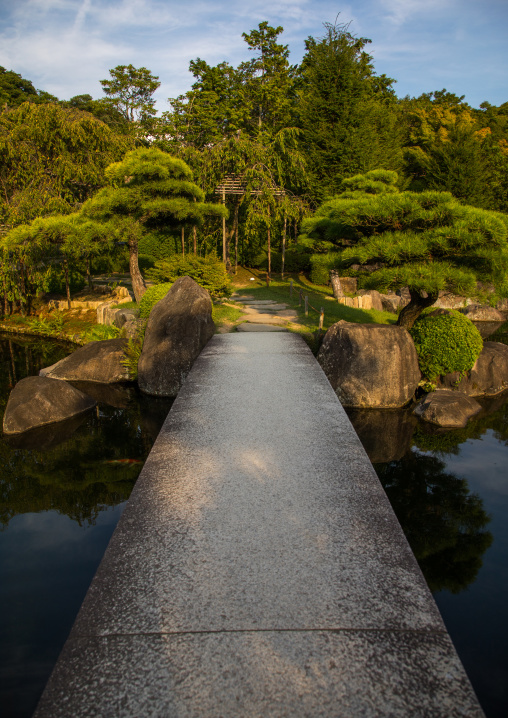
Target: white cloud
(400, 12)
(67, 46)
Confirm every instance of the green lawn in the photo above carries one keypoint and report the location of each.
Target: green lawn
(319, 296)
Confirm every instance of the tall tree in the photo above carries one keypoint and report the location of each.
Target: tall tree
(268, 81)
(52, 159)
(130, 91)
(426, 241)
(347, 113)
(150, 190)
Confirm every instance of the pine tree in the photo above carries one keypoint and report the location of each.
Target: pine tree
(148, 190)
(426, 241)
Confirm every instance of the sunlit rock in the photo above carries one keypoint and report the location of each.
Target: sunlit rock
(370, 365)
(178, 328)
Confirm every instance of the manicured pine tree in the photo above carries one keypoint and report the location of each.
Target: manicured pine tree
(426, 241)
(148, 190)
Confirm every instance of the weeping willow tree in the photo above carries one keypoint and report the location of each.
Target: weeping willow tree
(270, 174)
(426, 241)
(148, 190)
(52, 159)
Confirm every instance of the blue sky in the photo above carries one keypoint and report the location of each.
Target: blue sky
(67, 46)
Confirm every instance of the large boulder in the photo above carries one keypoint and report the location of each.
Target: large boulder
(178, 328)
(489, 375)
(447, 408)
(97, 361)
(479, 313)
(38, 401)
(370, 365)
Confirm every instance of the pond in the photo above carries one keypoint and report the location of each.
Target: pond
(61, 495)
(449, 490)
(60, 502)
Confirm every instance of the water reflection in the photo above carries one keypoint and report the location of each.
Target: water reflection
(449, 490)
(443, 521)
(62, 491)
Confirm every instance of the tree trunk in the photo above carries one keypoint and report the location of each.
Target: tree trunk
(67, 287)
(183, 242)
(235, 230)
(89, 272)
(336, 285)
(138, 283)
(283, 247)
(269, 237)
(412, 311)
(194, 240)
(22, 288)
(224, 229)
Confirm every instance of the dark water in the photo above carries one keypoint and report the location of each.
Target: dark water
(60, 502)
(449, 489)
(62, 492)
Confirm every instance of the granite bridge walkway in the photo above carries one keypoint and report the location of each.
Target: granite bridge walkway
(258, 568)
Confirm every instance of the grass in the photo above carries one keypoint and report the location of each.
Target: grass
(224, 314)
(65, 325)
(319, 296)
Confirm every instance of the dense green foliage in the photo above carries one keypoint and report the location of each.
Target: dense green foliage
(208, 272)
(426, 241)
(52, 159)
(290, 137)
(150, 298)
(445, 343)
(148, 190)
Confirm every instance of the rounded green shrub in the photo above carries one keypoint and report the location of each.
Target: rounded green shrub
(209, 272)
(151, 297)
(445, 343)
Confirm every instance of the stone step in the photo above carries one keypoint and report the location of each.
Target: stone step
(267, 307)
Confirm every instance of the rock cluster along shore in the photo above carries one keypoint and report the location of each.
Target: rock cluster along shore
(179, 327)
(376, 366)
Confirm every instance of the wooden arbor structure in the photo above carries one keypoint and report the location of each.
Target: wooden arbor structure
(236, 185)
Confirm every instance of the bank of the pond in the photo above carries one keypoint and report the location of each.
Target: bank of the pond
(449, 490)
(61, 495)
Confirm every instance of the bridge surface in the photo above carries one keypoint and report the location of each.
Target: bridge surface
(258, 568)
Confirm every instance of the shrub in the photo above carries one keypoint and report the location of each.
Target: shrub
(209, 272)
(151, 297)
(320, 265)
(100, 332)
(445, 343)
(132, 352)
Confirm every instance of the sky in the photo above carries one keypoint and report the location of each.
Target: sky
(66, 47)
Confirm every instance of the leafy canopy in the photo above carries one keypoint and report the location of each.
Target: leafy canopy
(130, 91)
(52, 159)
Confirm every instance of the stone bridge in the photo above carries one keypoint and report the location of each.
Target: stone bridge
(258, 568)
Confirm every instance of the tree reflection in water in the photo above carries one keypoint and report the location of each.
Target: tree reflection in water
(443, 522)
(62, 489)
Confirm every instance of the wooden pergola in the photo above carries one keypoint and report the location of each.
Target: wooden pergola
(233, 184)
